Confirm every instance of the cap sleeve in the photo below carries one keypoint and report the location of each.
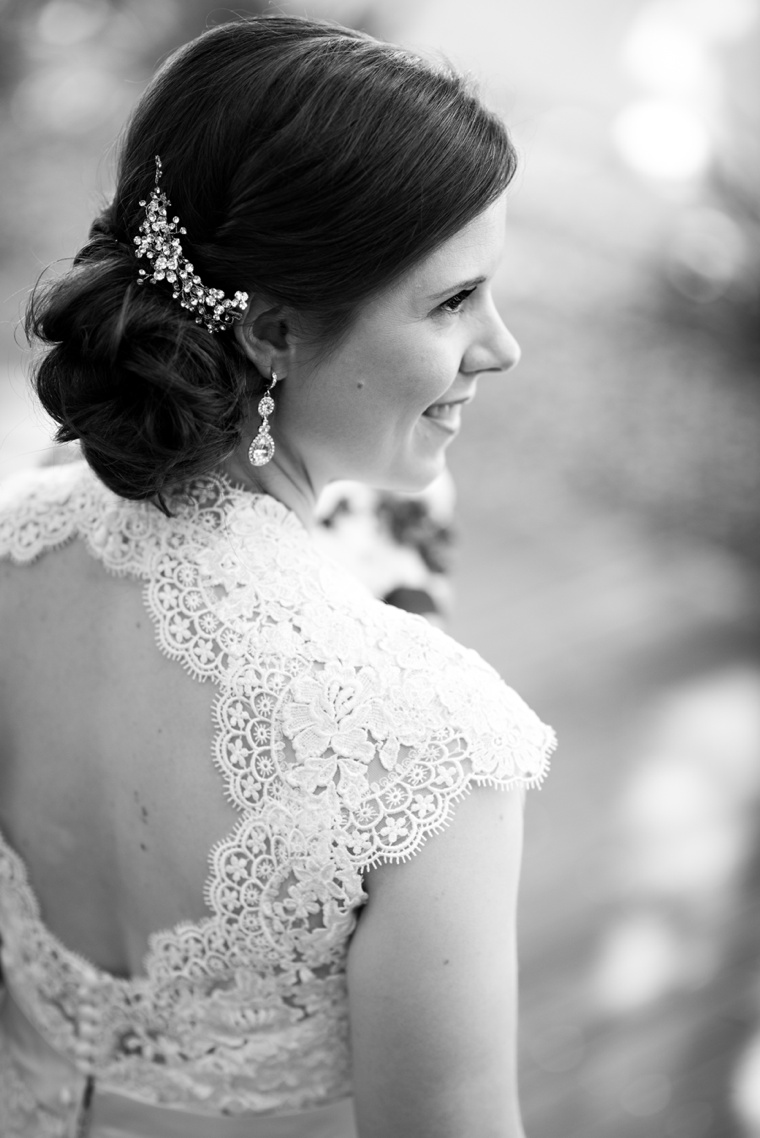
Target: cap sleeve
(397, 741)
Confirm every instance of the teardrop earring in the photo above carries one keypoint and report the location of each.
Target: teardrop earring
(261, 449)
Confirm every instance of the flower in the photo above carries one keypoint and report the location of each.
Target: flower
(394, 830)
(346, 776)
(167, 597)
(236, 752)
(179, 627)
(237, 716)
(237, 867)
(423, 805)
(250, 788)
(335, 710)
(204, 651)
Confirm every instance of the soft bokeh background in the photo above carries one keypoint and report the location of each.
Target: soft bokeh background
(609, 548)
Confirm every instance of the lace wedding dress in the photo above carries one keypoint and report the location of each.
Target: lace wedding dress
(346, 730)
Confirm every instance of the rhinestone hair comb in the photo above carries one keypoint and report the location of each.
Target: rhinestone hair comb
(159, 242)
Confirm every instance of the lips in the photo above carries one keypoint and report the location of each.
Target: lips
(445, 410)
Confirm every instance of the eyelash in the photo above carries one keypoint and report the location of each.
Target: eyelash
(457, 300)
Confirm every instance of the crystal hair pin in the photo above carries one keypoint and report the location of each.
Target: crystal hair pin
(159, 242)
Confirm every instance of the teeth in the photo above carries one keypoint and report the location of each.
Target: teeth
(441, 410)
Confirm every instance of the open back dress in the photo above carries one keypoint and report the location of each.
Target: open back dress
(343, 733)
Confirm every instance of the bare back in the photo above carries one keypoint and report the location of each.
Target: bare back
(107, 790)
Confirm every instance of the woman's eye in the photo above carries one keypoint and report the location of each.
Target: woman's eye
(454, 303)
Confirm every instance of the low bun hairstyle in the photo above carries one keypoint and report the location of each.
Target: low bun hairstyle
(307, 162)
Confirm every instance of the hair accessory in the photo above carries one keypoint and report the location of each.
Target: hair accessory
(261, 449)
(160, 243)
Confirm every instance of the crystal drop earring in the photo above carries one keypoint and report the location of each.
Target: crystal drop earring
(261, 449)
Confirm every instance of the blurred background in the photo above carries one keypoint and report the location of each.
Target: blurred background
(608, 547)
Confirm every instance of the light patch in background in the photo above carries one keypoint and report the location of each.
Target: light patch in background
(63, 23)
(745, 1091)
(714, 19)
(687, 844)
(686, 819)
(707, 252)
(664, 56)
(669, 44)
(670, 51)
(640, 961)
(67, 99)
(348, 12)
(26, 432)
(714, 719)
(700, 22)
(661, 139)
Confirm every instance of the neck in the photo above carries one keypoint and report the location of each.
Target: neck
(280, 478)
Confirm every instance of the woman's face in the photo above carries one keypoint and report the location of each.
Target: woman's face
(384, 406)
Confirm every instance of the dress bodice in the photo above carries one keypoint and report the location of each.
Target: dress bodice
(346, 730)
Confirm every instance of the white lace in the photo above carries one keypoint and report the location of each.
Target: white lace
(346, 730)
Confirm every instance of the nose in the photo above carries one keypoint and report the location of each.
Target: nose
(495, 349)
(508, 351)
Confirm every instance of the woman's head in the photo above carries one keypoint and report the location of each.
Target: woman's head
(309, 164)
(387, 400)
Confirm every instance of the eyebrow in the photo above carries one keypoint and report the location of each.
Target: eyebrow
(454, 289)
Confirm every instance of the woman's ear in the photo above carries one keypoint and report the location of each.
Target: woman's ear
(264, 336)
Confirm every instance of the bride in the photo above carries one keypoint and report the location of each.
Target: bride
(260, 833)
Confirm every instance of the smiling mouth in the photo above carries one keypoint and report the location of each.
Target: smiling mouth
(445, 412)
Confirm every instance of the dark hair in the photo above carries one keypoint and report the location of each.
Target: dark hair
(307, 162)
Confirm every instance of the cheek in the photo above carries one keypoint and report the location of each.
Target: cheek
(333, 409)
(396, 395)
(428, 371)
(378, 386)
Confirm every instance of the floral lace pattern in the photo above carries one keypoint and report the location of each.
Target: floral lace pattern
(345, 731)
